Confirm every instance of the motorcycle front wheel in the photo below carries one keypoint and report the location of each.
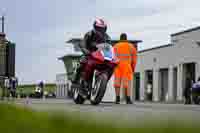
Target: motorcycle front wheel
(100, 85)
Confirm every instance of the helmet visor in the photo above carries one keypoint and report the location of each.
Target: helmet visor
(100, 29)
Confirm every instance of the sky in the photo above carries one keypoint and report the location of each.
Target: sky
(40, 27)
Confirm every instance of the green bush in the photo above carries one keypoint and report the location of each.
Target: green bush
(0, 91)
(21, 120)
(28, 89)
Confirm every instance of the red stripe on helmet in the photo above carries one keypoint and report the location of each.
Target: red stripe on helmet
(100, 23)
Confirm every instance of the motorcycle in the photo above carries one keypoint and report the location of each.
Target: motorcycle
(95, 75)
(196, 93)
(38, 92)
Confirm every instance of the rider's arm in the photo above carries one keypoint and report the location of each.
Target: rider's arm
(83, 44)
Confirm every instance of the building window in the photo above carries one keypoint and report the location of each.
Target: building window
(154, 59)
(198, 43)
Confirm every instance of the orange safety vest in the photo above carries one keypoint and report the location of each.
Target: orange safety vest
(126, 53)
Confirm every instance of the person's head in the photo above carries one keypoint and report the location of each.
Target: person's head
(41, 82)
(100, 26)
(123, 37)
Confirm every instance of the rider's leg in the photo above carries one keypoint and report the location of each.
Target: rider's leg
(79, 69)
(77, 75)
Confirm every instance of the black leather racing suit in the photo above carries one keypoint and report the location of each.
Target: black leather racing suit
(88, 45)
(91, 39)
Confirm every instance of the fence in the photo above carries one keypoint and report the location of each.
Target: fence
(62, 86)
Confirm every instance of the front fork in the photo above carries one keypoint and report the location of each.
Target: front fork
(108, 72)
(88, 69)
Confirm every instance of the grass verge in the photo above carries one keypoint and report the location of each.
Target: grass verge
(15, 119)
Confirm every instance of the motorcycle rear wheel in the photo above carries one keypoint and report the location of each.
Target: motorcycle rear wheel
(99, 89)
(78, 99)
(196, 100)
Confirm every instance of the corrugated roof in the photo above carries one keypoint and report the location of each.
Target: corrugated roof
(155, 48)
(78, 54)
(186, 31)
(131, 41)
(75, 40)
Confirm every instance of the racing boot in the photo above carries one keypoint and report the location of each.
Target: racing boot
(83, 90)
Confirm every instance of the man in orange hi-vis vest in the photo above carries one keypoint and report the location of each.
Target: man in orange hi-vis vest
(123, 73)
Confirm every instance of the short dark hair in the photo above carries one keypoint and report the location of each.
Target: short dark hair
(123, 36)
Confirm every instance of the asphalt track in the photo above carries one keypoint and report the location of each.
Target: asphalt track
(139, 111)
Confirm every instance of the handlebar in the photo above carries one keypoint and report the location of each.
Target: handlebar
(103, 46)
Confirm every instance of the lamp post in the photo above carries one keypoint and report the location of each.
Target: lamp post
(3, 53)
(2, 23)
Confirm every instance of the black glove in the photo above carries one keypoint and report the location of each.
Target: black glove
(94, 44)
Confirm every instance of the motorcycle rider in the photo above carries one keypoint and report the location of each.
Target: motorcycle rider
(91, 39)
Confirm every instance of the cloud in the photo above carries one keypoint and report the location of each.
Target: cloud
(156, 28)
(40, 28)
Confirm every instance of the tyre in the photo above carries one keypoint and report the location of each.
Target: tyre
(196, 100)
(99, 89)
(78, 99)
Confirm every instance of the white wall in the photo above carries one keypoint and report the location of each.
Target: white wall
(61, 85)
(110, 92)
(184, 49)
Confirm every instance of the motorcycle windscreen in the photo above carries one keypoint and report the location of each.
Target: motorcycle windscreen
(107, 54)
(196, 87)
